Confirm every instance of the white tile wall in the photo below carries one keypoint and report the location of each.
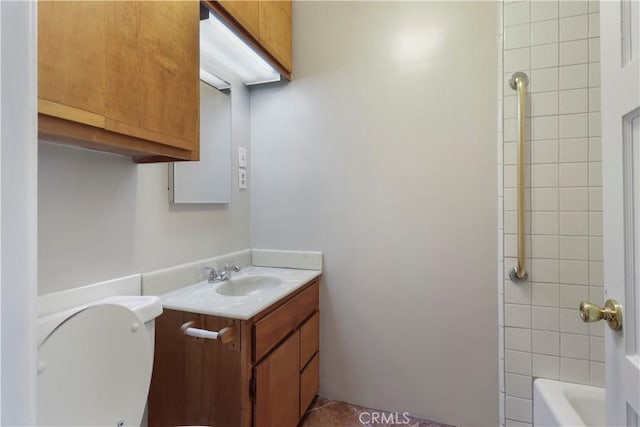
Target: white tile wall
(574, 126)
(574, 370)
(574, 101)
(544, 32)
(519, 36)
(516, 13)
(544, 10)
(545, 294)
(544, 151)
(573, 76)
(545, 318)
(573, 7)
(574, 199)
(574, 52)
(544, 222)
(596, 372)
(575, 346)
(557, 44)
(517, 59)
(519, 409)
(544, 80)
(573, 174)
(517, 339)
(544, 56)
(574, 28)
(544, 104)
(574, 223)
(546, 366)
(546, 342)
(518, 385)
(574, 150)
(517, 362)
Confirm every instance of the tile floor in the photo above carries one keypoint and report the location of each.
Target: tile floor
(328, 413)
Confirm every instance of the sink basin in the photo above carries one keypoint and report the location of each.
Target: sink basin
(248, 285)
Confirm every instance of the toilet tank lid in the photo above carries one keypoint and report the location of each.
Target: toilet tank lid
(146, 307)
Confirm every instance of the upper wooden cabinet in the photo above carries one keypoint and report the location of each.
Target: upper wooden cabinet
(265, 24)
(275, 30)
(247, 13)
(121, 77)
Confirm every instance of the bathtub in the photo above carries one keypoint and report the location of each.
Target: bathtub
(564, 404)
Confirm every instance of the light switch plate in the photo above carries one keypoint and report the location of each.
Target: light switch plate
(242, 179)
(242, 157)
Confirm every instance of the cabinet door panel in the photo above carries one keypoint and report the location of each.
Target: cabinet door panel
(277, 380)
(156, 45)
(175, 394)
(275, 30)
(246, 13)
(309, 383)
(221, 373)
(309, 338)
(71, 64)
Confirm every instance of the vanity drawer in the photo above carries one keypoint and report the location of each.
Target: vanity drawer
(309, 383)
(269, 331)
(309, 338)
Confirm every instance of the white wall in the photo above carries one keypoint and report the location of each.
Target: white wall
(381, 153)
(557, 44)
(102, 216)
(18, 80)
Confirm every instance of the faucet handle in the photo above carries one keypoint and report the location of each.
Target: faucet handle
(231, 266)
(212, 273)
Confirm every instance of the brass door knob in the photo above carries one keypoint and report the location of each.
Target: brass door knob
(611, 312)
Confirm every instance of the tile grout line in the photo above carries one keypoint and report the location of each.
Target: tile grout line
(528, 211)
(503, 396)
(588, 208)
(558, 181)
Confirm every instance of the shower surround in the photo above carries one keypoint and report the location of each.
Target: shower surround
(556, 43)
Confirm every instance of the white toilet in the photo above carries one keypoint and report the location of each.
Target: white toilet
(95, 362)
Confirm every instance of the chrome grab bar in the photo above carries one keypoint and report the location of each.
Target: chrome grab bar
(225, 335)
(519, 82)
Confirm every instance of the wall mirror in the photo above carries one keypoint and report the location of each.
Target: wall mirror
(207, 180)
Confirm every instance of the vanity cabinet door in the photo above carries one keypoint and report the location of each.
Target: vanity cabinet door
(309, 338)
(309, 383)
(177, 382)
(277, 382)
(195, 381)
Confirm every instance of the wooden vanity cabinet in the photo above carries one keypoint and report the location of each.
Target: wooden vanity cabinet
(265, 24)
(267, 376)
(120, 76)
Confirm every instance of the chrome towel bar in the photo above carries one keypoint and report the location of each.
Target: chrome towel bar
(519, 82)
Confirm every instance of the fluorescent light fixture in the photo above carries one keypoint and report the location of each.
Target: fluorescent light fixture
(219, 46)
(213, 80)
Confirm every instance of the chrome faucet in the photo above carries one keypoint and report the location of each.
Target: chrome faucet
(216, 276)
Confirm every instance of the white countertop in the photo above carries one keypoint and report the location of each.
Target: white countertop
(203, 297)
